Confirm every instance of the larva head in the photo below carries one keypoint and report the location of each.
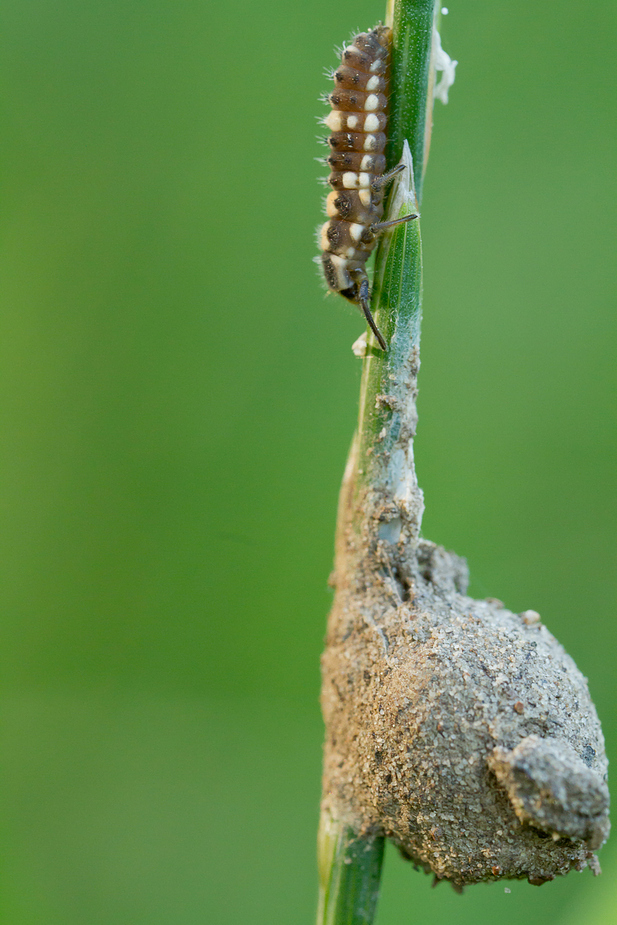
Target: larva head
(358, 293)
(346, 277)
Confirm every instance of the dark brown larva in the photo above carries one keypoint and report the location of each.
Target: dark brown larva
(355, 206)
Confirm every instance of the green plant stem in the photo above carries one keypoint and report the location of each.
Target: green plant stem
(411, 82)
(397, 288)
(382, 453)
(397, 303)
(349, 874)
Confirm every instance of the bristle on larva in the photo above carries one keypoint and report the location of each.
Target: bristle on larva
(358, 123)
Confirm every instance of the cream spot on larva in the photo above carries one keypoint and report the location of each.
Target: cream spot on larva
(334, 121)
(372, 103)
(371, 123)
(367, 162)
(325, 244)
(373, 83)
(355, 231)
(375, 65)
(369, 143)
(331, 209)
(364, 180)
(352, 121)
(350, 179)
(365, 197)
(351, 253)
(353, 50)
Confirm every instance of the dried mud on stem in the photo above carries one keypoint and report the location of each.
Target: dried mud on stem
(458, 729)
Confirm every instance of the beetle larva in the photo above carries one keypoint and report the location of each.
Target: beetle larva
(355, 206)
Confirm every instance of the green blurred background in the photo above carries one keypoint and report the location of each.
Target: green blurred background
(177, 402)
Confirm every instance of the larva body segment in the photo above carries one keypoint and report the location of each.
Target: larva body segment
(355, 206)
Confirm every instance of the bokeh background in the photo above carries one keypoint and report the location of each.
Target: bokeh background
(177, 399)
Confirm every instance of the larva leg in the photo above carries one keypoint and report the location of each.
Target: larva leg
(373, 326)
(363, 300)
(380, 226)
(379, 182)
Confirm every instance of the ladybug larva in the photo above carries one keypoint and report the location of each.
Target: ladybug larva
(355, 206)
